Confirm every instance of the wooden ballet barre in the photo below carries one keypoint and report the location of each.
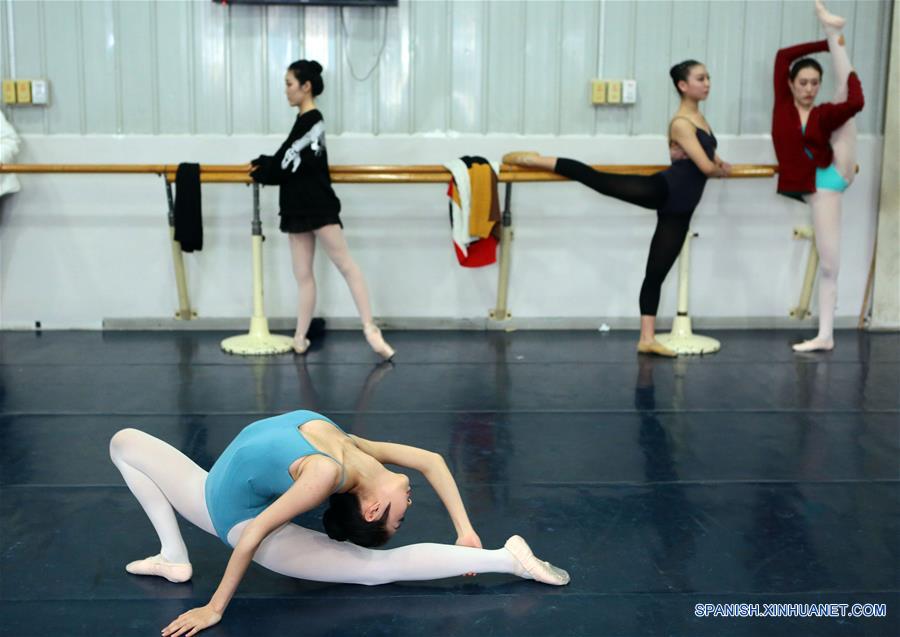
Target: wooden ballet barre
(355, 174)
(426, 174)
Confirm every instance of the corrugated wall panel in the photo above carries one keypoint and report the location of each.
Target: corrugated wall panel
(29, 57)
(467, 66)
(762, 37)
(690, 30)
(99, 72)
(175, 67)
(321, 42)
(577, 67)
(871, 40)
(63, 71)
(211, 81)
(247, 43)
(473, 66)
(505, 70)
(430, 57)
(616, 60)
(361, 33)
(395, 74)
(724, 60)
(283, 29)
(542, 67)
(137, 67)
(652, 44)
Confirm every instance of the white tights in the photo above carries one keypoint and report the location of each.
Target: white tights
(303, 249)
(826, 204)
(826, 215)
(164, 480)
(843, 140)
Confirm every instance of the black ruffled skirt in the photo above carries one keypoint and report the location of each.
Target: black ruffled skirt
(307, 222)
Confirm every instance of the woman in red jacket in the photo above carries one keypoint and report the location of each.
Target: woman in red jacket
(816, 150)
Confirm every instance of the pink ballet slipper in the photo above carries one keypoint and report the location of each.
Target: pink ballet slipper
(161, 567)
(815, 345)
(532, 567)
(830, 22)
(376, 341)
(302, 348)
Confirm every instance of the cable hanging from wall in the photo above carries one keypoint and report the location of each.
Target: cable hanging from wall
(346, 37)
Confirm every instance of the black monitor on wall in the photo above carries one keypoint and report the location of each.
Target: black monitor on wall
(332, 3)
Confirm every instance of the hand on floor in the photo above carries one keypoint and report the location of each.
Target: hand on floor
(192, 622)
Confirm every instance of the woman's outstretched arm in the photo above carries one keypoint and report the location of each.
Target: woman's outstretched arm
(318, 478)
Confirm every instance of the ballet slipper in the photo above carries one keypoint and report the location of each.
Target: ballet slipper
(301, 349)
(161, 567)
(519, 157)
(816, 344)
(655, 347)
(376, 341)
(533, 568)
(830, 22)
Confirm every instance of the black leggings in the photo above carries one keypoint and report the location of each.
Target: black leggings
(647, 191)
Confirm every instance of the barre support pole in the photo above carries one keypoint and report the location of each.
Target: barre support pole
(682, 338)
(258, 341)
(500, 312)
(801, 311)
(184, 311)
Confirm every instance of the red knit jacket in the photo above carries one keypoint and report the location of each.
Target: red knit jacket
(796, 171)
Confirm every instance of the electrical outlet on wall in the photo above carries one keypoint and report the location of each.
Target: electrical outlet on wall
(598, 92)
(23, 91)
(39, 92)
(9, 91)
(614, 92)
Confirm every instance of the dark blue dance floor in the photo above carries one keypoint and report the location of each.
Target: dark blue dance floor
(666, 487)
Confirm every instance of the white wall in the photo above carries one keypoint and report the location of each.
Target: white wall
(77, 249)
(183, 80)
(472, 66)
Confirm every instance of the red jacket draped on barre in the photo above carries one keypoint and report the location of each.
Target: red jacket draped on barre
(796, 171)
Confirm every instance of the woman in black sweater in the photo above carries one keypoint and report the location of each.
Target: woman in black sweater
(308, 207)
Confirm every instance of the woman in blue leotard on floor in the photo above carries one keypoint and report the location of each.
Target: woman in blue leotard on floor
(674, 193)
(281, 467)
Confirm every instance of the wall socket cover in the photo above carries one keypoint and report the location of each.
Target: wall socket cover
(39, 92)
(23, 91)
(9, 91)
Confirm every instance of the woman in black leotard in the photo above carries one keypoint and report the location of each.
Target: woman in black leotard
(674, 193)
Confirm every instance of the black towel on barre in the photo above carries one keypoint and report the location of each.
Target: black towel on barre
(188, 217)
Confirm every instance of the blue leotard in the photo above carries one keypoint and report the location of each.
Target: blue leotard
(252, 472)
(828, 178)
